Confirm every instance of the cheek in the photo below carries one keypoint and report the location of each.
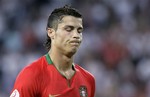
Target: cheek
(61, 38)
(81, 36)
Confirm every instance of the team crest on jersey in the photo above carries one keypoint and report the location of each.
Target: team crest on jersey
(15, 93)
(83, 91)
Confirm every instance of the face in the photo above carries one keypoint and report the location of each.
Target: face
(68, 36)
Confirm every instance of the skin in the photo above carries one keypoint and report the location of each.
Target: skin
(66, 40)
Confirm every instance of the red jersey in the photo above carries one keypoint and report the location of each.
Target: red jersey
(42, 79)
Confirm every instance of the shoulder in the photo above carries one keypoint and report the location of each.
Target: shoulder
(29, 78)
(31, 71)
(35, 65)
(85, 73)
(40, 63)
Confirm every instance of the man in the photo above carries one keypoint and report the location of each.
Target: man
(55, 74)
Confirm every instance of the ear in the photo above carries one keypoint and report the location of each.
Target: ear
(51, 33)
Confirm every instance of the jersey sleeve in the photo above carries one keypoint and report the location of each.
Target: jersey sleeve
(25, 84)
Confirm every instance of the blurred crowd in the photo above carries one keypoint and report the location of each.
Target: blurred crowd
(115, 47)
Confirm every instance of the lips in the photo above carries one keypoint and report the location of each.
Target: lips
(75, 42)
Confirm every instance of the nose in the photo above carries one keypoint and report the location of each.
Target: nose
(77, 35)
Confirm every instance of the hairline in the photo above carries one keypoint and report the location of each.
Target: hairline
(59, 20)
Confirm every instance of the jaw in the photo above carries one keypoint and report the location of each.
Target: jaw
(70, 53)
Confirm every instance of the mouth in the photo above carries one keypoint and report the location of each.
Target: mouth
(75, 43)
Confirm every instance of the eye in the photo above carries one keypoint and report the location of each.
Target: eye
(69, 29)
(80, 30)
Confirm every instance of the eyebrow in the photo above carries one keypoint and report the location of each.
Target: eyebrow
(72, 26)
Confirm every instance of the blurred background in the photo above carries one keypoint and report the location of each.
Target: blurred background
(115, 47)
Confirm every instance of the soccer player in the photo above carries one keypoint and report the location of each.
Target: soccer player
(55, 74)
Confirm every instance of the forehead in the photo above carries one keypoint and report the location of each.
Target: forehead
(71, 20)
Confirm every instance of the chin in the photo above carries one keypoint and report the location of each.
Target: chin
(72, 51)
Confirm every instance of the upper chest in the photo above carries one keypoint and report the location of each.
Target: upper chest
(55, 83)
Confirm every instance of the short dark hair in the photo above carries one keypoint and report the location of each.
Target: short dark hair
(56, 16)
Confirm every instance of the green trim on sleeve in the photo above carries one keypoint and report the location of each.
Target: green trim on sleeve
(48, 59)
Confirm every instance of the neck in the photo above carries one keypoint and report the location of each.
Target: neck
(61, 61)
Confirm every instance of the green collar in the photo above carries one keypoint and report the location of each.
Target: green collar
(48, 59)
